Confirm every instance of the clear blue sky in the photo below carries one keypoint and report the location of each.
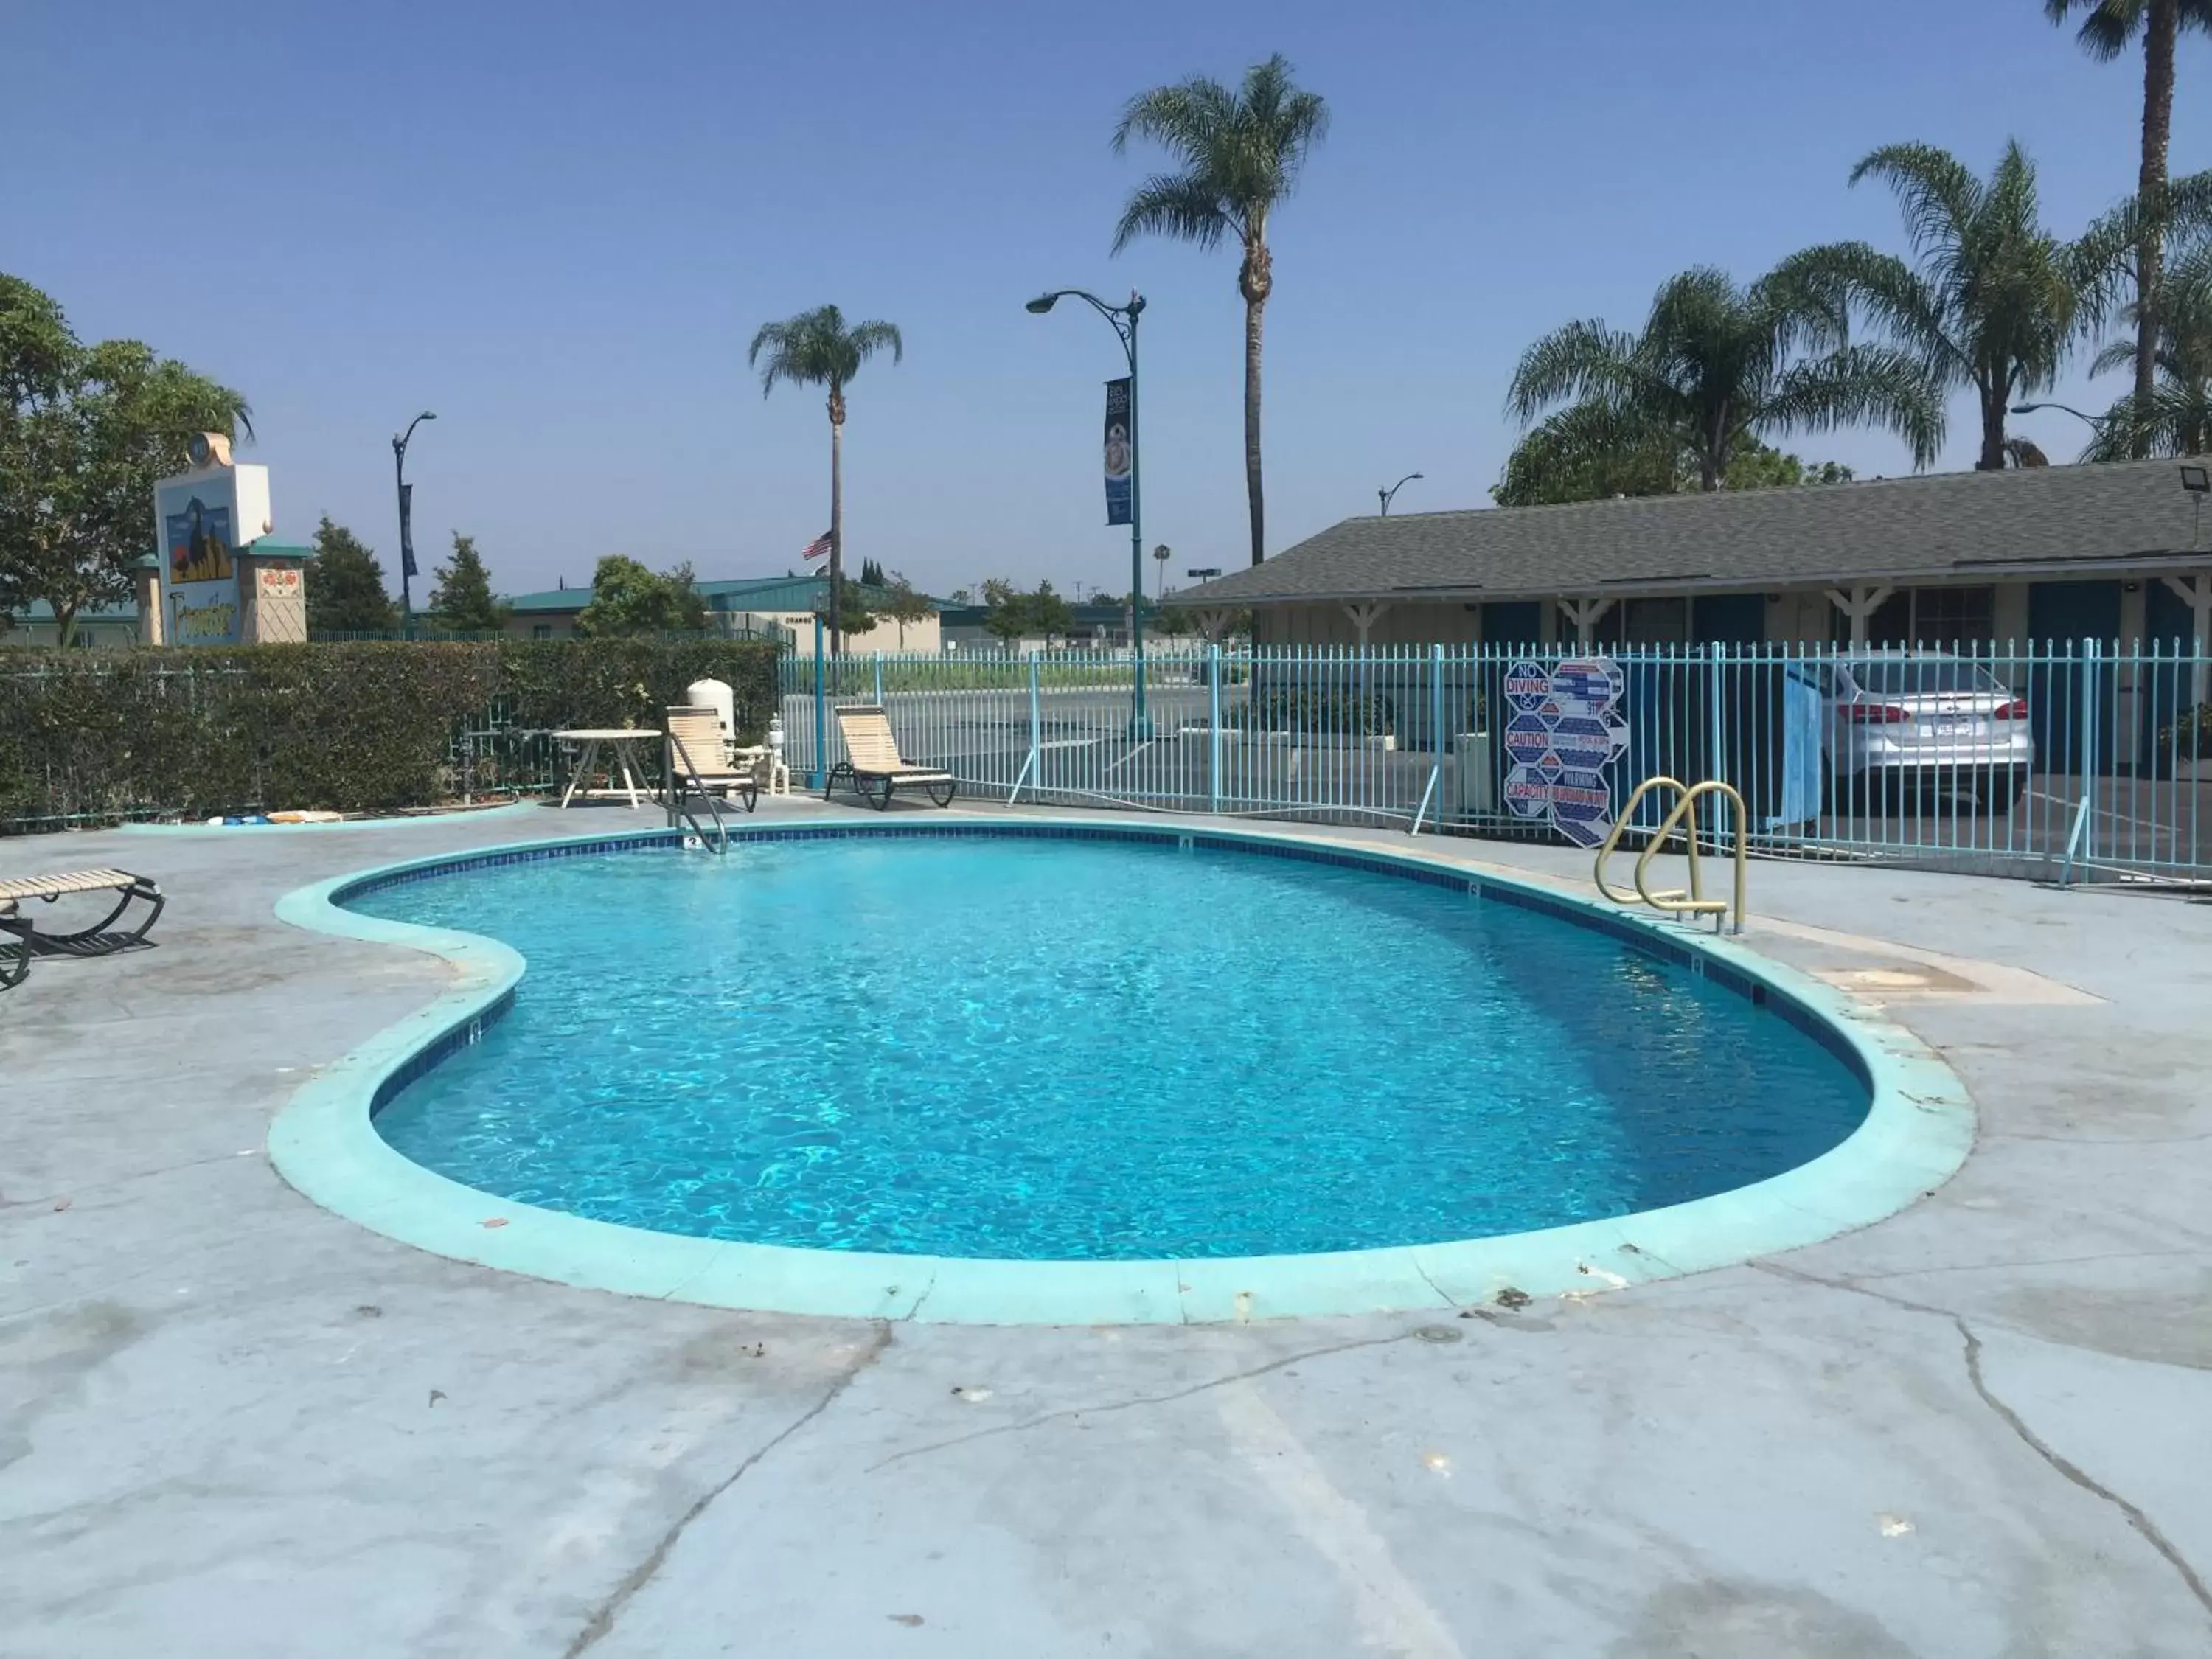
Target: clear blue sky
(558, 227)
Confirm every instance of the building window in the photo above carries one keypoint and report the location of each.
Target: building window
(541, 630)
(1939, 618)
(1952, 617)
(1656, 622)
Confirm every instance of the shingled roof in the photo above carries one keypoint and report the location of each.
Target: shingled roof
(1955, 525)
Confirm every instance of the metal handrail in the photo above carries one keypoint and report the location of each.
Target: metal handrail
(1690, 901)
(677, 797)
(1622, 822)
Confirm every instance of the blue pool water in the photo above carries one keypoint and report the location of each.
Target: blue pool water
(1081, 1050)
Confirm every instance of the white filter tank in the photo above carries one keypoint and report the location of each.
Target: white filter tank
(717, 695)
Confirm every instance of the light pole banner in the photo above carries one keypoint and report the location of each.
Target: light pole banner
(1118, 450)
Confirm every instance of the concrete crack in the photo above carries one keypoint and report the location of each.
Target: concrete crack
(2142, 1523)
(1450, 1302)
(1043, 1418)
(604, 1616)
(2012, 1420)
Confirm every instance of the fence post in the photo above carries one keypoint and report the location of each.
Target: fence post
(879, 679)
(1213, 727)
(821, 777)
(1716, 737)
(1037, 721)
(2089, 700)
(1434, 791)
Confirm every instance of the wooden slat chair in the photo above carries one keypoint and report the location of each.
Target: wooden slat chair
(699, 759)
(873, 764)
(98, 940)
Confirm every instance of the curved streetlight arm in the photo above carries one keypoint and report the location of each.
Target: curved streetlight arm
(1123, 317)
(1388, 496)
(2093, 421)
(399, 442)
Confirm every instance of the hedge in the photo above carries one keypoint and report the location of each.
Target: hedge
(93, 736)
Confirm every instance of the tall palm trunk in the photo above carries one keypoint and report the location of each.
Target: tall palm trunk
(1255, 282)
(836, 518)
(1996, 401)
(2160, 28)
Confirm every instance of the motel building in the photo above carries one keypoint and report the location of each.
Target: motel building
(2119, 554)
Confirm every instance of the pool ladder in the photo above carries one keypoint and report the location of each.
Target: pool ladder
(1690, 901)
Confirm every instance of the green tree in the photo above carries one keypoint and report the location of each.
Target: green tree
(1005, 611)
(1764, 467)
(904, 605)
(629, 600)
(819, 348)
(2180, 422)
(1716, 365)
(1591, 451)
(1237, 156)
(345, 585)
(1581, 454)
(462, 600)
(872, 575)
(1997, 301)
(1049, 614)
(854, 616)
(2107, 27)
(85, 433)
(692, 612)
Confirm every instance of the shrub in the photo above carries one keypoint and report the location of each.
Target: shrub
(2188, 737)
(87, 735)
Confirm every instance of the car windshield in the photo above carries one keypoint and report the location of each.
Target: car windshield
(1929, 677)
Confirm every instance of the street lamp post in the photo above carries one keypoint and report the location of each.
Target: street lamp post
(1124, 321)
(406, 522)
(1384, 496)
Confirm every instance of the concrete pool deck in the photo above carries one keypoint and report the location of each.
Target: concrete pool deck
(236, 1424)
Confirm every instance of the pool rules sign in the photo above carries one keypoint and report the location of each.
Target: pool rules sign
(1565, 733)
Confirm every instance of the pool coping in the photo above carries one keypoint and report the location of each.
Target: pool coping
(1918, 1130)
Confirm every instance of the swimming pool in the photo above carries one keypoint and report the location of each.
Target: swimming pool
(1043, 1071)
(1087, 1049)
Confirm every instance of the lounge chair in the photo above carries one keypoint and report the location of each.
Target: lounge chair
(97, 940)
(699, 758)
(872, 762)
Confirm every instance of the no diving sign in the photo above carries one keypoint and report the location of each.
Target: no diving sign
(1566, 730)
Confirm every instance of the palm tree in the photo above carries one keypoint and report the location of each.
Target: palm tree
(2181, 419)
(1997, 301)
(1717, 365)
(1240, 153)
(819, 348)
(2107, 26)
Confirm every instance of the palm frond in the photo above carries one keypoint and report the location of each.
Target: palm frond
(1584, 360)
(2107, 26)
(1181, 205)
(2115, 354)
(1182, 119)
(1940, 197)
(869, 338)
(1861, 385)
(1240, 151)
(818, 348)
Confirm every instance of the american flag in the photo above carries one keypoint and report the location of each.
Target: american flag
(817, 549)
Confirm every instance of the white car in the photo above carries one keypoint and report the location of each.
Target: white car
(1923, 721)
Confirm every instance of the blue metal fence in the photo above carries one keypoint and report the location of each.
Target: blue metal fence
(2076, 760)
